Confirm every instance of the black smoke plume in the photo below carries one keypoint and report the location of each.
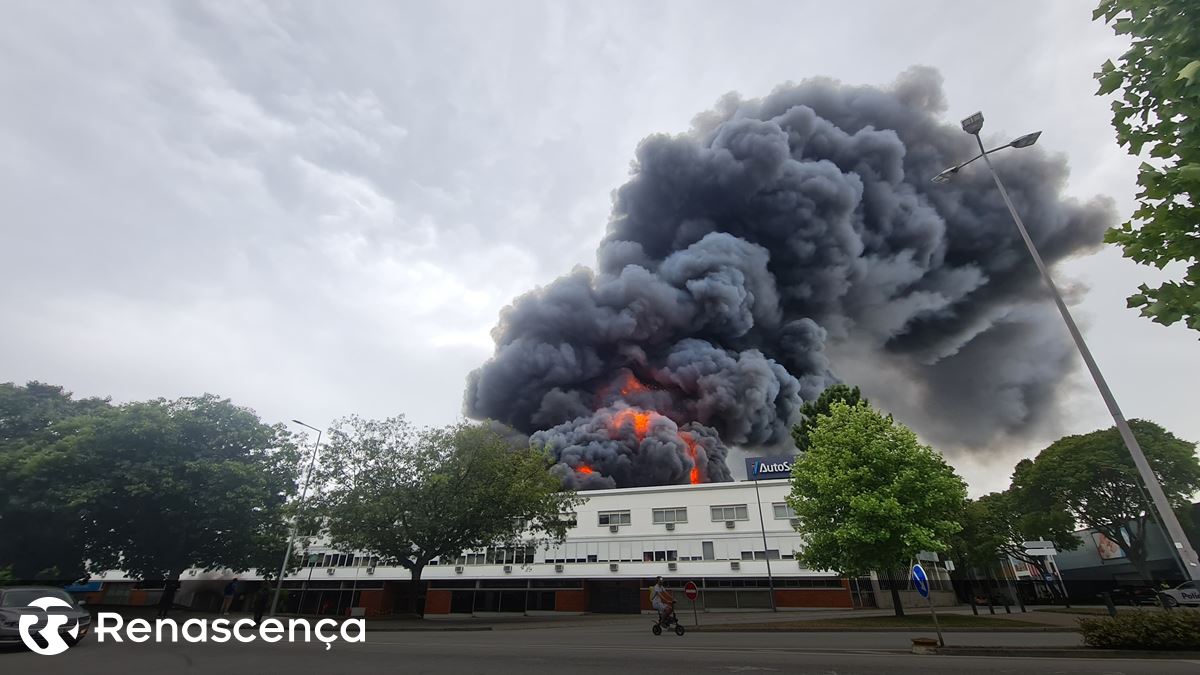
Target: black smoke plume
(782, 244)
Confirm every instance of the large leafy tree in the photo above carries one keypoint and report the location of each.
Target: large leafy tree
(811, 410)
(40, 538)
(1093, 477)
(869, 496)
(410, 495)
(162, 486)
(1159, 112)
(996, 525)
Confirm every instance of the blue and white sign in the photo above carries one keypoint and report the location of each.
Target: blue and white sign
(765, 468)
(920, 581)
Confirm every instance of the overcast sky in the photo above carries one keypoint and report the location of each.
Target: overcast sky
(320, 208)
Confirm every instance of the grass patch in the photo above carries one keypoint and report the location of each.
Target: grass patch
(868, 622)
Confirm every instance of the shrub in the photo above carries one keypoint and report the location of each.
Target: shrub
(1177, 629)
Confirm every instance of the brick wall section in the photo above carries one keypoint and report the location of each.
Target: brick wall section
(570, 601)
(810, 597)
(437, 601)
(375, 602)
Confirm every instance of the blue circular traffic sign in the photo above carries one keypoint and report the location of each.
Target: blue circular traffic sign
(920, 580)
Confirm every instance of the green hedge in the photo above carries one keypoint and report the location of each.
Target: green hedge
(1177, 629)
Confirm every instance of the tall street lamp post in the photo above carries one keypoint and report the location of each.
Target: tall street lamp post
(1191, 566)
(292, 535)
(763, 528)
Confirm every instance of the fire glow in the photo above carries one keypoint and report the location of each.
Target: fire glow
(640, 421)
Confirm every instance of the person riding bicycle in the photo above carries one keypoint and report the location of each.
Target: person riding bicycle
(662, 601)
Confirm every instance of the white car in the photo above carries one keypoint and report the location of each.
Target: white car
(1184, 594)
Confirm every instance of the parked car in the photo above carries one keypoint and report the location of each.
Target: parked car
(1184, 594)
(1134, 595)
(14, 602)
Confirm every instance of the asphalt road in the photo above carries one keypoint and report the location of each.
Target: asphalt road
(626, 648)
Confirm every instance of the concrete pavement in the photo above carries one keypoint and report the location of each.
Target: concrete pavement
(624, 645)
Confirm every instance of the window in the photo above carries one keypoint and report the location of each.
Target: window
(731, 512)
(707, 548)
(614, 518)
(783, 511)
(674, 515)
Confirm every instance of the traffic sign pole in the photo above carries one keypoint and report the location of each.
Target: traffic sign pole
(936, 626)
(921, 583)
(690, 591)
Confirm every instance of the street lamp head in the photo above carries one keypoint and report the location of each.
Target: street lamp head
(299, 422)
(1026, 140)
(945, 176)
(973, 124)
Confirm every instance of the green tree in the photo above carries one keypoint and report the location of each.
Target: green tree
(40, 536)
(1093, 477)
(1159, 110)
(409, 496)
(868, 496)
(810, 411)
(996, 525)
(162, 486)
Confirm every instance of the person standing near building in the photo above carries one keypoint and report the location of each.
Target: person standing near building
(261, 600)
(230, 594)
(167, 599)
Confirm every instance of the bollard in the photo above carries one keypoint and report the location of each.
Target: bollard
(1108, 602)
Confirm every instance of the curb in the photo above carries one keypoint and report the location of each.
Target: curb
(1065, 653)
(881, 629)
(427, 629)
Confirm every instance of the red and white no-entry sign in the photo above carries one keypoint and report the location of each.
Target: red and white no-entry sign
(690, 590)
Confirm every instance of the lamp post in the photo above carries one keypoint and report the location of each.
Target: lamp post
(763, 527)
(292, 536)
(1183, 549)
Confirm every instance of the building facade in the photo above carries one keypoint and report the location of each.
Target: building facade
(710, 534)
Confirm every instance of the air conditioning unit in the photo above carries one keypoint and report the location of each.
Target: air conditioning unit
(613, 567)
(370, 570)
(614, 528)
(458, 569)
(508, 569)
(729, 524)
(329, 571)
(670, 527)
(795, 522)
(672, 566)
(735, 565)
(558, 568)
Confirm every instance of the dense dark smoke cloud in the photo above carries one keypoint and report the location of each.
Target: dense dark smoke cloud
(780, 243)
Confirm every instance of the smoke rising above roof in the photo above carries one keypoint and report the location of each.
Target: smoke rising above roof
(780, 245)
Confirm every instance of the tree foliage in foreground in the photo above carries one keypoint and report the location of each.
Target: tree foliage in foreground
(868, 496)
(410, 495)
(1093, 477)
(151, 488)
(1159, 112)
(811, 410)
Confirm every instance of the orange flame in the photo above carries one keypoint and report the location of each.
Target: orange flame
(632, 386)
(584, 468)
(640, 420)
(687, 438)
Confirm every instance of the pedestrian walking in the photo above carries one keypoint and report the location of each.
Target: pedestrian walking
(230, 594)
(261, 600)
(167, 599)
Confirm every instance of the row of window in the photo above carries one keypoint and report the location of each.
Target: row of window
(341, 560)
(679, 514)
